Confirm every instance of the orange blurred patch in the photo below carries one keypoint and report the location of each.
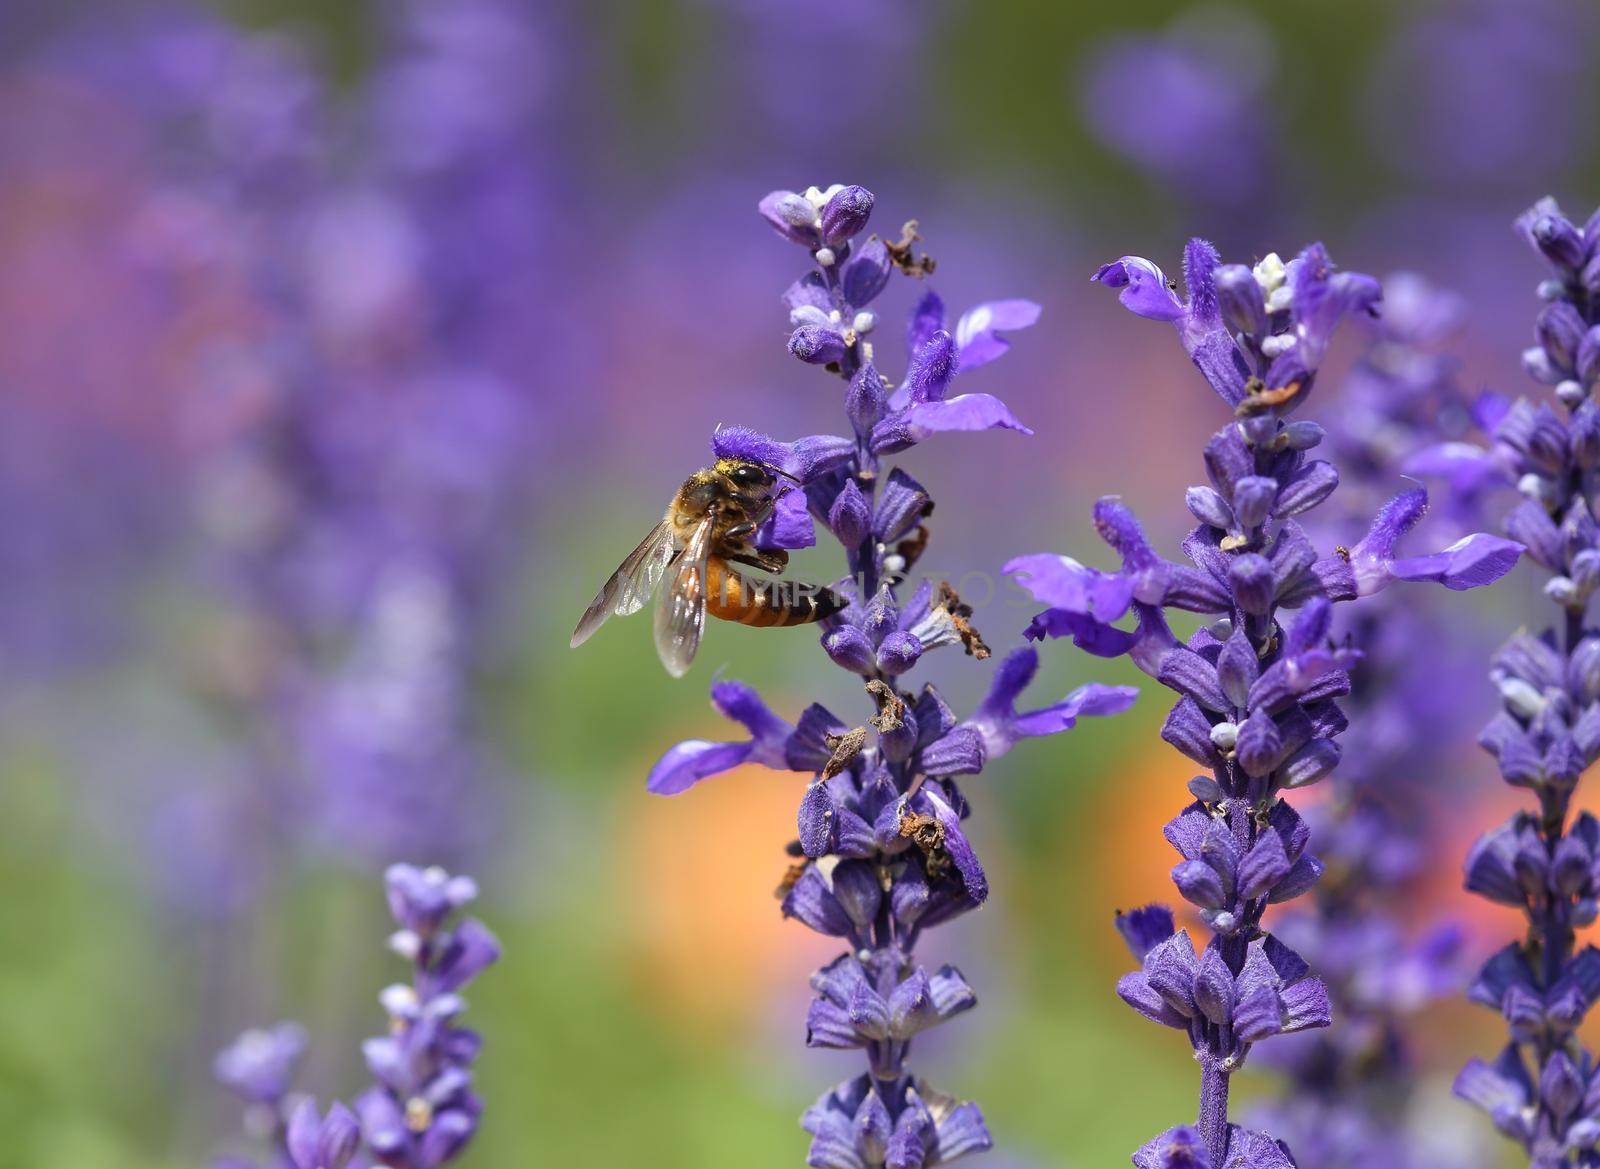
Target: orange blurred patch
(703, 926)
(1134, 858)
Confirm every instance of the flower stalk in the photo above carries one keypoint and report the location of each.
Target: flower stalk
(882, 855)
(1258, 682)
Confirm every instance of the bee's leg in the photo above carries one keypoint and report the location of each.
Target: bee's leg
(771, 560)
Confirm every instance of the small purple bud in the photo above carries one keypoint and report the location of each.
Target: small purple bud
(899, 742)
(1589, 357)
(1302, 436)
(882, 616)
(850, 519)
(1252, 500)
(898, 652)
(1560, 1086)
(931, 369)
(1213, 987)
(1237, 668)
(1584, 436)
(818, 821)
(1259, 429)
(1560, 330)
(1239, 294)
(850, 649)
(865, 274)
(1307, 487)
(816, 345)
(1309, 764)
(867, 401)
(1208, 507)
(1199, 884)
(1251, 578)
(1558, 241)
(845, 215)
(855, 884)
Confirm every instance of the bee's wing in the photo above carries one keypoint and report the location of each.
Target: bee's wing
(681, 608)
(631, 585)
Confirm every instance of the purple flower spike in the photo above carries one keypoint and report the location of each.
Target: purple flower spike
(1258, 683)
(420, 899)
(1538, 1092)
(882, 852)
(421, 1111)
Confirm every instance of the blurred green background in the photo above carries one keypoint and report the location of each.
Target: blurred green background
(650, 1004)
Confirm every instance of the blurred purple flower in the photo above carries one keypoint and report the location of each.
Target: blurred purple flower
(1548, 732)
(421, 1112)
(1190, 106)
(1486, 92)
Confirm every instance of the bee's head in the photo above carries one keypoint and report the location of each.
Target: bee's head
(745, 475)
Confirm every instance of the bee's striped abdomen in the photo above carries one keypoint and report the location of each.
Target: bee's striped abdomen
(766, 603)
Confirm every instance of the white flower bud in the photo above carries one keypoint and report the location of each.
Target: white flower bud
(1521, 698)
(1561, 590)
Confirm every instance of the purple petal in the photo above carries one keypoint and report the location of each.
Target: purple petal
(865, 274)
(1468, 469)
(1144, 929)
(1093, 698)
(811, 901)
(964, 412)
(1469, 563)
(688, 763)
(1089, 635)
(1145, 289)
(304, 1129)
(789, 525)
(927, 318)
(976, 331)
(1062, 583)
(792, 216)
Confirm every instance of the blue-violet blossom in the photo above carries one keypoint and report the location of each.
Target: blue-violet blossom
(881, 853)
(1542, 1091)
(421, 1111)
(1256, 687)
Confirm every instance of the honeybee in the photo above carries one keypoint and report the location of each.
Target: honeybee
(709, 526)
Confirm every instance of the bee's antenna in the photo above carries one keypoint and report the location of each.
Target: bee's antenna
(780, 471)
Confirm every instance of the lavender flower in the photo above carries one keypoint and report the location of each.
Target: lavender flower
(1546, 862)
(1256, 690)
(421, 1112)
(1189, 105)
(1348, 1100)
(881, 854)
